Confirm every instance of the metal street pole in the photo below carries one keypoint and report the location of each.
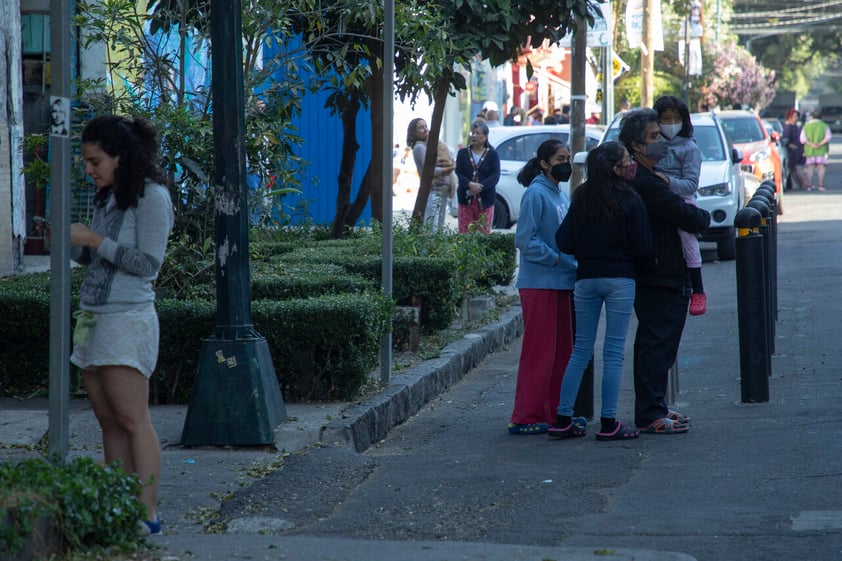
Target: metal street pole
(686, 88)
(647, 56)
(578, 96)
(236, 399)
(388, 133)
(60, 49)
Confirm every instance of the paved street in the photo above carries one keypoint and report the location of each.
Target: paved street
(754, 482)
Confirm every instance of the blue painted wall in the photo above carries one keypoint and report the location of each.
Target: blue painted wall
(322, 148)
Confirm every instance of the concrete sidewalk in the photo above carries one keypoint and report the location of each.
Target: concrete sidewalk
(196, 480)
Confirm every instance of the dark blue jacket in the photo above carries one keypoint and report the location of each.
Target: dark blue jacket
(488, 175)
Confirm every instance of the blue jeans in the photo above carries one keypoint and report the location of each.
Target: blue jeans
(588, 296)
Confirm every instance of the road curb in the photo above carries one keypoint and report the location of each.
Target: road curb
(369, 421)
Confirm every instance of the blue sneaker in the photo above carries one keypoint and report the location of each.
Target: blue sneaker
(527, 428)
(152, 528)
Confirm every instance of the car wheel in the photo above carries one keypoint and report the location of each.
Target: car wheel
(727, 247)
(502, 220)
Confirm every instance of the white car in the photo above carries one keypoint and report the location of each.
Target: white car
(515, 146)
(722, 189)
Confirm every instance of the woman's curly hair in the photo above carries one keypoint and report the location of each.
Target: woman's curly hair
(135, 141)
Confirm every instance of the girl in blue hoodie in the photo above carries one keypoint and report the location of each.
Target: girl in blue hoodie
(545, 282)
(680, 169)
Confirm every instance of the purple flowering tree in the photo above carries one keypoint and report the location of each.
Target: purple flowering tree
(736, 79)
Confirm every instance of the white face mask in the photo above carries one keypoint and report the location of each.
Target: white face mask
(670, 131)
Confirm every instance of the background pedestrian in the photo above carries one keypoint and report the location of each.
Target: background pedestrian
(440, 191)
(477, 172)
(815, 136)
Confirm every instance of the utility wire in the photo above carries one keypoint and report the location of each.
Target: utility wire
(785, 11)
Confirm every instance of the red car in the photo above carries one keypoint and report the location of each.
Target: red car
(760, 153)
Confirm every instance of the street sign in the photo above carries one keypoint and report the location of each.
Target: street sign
(599, 34)
(618, 66)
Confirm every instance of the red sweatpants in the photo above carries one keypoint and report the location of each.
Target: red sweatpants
(546, 348)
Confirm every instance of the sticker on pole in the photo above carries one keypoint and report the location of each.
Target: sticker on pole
(59, 116)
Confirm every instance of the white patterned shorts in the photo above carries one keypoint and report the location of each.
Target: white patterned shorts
(121, 339)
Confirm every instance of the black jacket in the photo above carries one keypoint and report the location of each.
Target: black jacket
(607, 250)
(667, 214)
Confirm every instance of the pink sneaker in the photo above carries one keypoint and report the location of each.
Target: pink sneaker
(698, 304)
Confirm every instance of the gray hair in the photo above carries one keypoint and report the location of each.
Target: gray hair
(483, 128)
(633, 126)
(481, 125)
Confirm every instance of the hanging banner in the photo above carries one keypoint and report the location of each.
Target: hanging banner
(634, 25)
(695, 32)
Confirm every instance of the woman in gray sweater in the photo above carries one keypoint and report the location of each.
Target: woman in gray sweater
(116, 334)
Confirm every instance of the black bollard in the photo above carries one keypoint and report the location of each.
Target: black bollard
(768, 188)
(758, 202)
(755, 362)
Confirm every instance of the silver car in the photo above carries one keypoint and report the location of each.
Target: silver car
(722, 190)
(515, 146)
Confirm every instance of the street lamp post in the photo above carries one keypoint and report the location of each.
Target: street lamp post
(236, 399)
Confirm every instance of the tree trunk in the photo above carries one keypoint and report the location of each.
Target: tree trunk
(375, 174)
(371, 186)
(346, 164)
(442, 88)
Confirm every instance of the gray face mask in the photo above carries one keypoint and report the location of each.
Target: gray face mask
(657, 151)
(670, 131)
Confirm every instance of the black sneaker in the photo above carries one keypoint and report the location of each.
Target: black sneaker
(576, 428)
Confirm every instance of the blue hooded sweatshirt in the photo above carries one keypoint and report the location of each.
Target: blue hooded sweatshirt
(542, 209)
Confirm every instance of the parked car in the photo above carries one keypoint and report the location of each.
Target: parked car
(760, 156)
(721, 185)
(516, 145)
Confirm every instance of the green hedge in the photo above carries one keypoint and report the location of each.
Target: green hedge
(322, 348)
(277, 280)
(426, 281)
(325, 347)
(311, 303)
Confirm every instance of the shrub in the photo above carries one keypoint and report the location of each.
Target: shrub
(280, 281)
(335, 346)
(88, 504)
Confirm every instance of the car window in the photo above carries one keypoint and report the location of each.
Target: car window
(744, 130)
(710, 143)
(611, 134)
(523, 147)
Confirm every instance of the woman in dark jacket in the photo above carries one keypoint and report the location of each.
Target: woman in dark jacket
(607, 230)
(477, 171)
(794, 151)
